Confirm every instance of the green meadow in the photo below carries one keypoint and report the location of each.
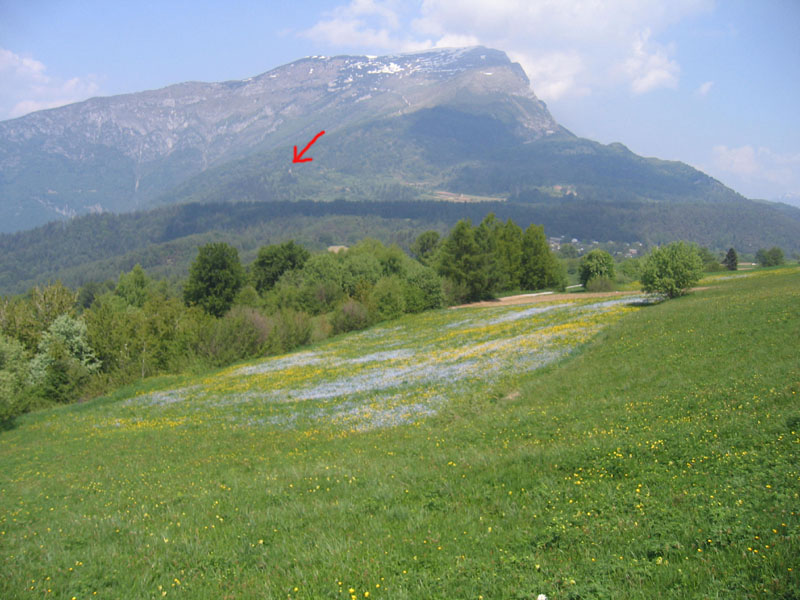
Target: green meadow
(590, 448)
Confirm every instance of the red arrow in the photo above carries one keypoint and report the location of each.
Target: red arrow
(298, 158)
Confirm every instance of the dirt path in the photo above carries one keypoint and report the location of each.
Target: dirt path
(543, 297)
(549, 297)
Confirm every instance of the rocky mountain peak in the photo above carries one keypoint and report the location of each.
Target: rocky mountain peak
(153, 140)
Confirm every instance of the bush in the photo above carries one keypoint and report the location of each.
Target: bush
(423, 290)
(671, 270)
(388, 298)
(321, 328)
(240, 334)
(600, 284)
(350, 315)
(289, 329)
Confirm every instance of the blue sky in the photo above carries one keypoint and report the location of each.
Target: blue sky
(713, 84)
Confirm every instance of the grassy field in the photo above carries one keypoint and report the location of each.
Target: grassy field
(584, 449)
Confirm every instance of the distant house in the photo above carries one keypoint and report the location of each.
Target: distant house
(336, 249)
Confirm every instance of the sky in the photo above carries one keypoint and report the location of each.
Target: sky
(715, 84)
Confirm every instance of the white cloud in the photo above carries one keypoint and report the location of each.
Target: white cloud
(704, 89)
(759, 168)
(568, 47)
(369, 24)
(25, 86)
(649, 66)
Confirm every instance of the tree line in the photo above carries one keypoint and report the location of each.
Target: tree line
(59, 345)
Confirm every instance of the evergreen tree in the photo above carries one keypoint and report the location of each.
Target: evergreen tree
(215, 277)
(731, 261)
(509, 254)
(540, 268)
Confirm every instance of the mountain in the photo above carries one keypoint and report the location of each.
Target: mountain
(122, 152)
(452, 125)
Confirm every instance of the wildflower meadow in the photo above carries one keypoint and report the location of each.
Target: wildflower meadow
(586, 448)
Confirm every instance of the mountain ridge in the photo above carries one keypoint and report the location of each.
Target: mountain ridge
(119, 152)
(413, 126)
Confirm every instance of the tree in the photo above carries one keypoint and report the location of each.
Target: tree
(273, 261)
(13, 378)
(64, 360)
(509, 254)
(731, 261)
(461, 260)
(425, 246)
(710, 261)
(540, 268)
(133, 286)
(770, 258)
(671, 270)
(214, 278)
(594, 265)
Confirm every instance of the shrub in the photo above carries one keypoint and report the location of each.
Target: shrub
(350, 315)
(240, 334)
(387, 298)
(423, 290)
(671, 270)
(321, 328)
(600, 284)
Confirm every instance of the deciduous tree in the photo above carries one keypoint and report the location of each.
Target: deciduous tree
(216, 275)
(671, 270)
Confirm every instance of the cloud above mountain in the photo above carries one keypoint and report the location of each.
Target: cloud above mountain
(568, 48)
(25, 86)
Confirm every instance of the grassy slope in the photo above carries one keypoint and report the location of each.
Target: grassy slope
(661, 461)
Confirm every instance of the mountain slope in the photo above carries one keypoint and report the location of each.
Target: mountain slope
(118, 153)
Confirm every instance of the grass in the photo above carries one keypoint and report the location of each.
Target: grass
(603, 451)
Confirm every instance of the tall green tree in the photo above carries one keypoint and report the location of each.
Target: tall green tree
(731, 261)
(509, 248)
(461, 260)
(425, 246)
(540, 268)
(215, 277)
(273, 261)
(596, 264)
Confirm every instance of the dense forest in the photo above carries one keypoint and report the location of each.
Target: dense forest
(163, 241)
(59, 345)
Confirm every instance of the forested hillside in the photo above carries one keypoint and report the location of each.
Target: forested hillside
(98, 247)
(59, 345)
